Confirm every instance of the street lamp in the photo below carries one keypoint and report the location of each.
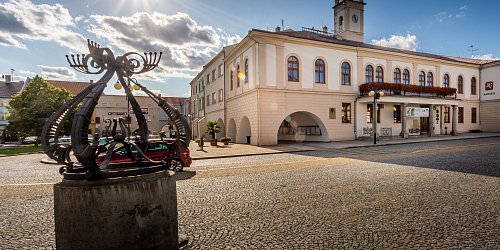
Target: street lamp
(375, 97)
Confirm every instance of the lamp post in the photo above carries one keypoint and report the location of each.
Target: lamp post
(374, 122)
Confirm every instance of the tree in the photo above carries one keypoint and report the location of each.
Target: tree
(36, 103)
(212, 128)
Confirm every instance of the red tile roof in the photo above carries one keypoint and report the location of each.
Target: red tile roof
(73, 87)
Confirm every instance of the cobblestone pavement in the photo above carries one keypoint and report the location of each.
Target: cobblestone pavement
(442, 195)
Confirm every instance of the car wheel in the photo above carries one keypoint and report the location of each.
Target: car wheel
(176, 165)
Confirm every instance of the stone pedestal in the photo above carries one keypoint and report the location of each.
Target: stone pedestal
(138, 212)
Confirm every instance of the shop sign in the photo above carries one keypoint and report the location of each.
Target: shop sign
(488, 85)
(417, 112)
(117, 113)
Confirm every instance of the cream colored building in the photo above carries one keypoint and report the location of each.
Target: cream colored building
(304, 86)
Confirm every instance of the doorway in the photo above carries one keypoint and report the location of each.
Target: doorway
(424, 125)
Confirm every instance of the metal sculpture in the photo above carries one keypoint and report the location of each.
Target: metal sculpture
(102, 60)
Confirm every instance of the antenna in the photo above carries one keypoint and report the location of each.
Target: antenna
(12, 70)
(282, 24)
(472, 50)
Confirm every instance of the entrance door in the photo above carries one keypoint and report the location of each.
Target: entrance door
(424, 125)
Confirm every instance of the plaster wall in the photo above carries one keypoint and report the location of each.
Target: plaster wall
(490, 75)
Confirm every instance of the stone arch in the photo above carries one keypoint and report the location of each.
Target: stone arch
(222, 129)
(298, 127)
(231, 130)
(245, 130)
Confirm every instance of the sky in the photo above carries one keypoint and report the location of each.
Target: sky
(35, 36)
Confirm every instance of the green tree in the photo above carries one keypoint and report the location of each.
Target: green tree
(212, 128)
(36, 103)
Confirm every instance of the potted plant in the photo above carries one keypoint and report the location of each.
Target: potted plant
(197, 140)
(225, 140)
(212, 129)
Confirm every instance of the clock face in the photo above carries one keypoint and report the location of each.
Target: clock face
(355, 18)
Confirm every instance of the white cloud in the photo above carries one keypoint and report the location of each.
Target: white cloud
(440, 16)
(464, 7)
(460, 15)
(57, 73)
(408, 42)
(78, 18)
(24, 20)
(188, 94)
(487, 57)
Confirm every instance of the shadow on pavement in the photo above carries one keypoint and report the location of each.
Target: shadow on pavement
(184, 175)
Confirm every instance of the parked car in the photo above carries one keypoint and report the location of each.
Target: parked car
(158, 152)
(29, 140)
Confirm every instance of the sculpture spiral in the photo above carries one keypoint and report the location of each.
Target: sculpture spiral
(102, 60)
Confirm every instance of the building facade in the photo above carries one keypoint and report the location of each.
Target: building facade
(7, 90)
(305, 86)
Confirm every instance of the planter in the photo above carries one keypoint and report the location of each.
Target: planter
(226, 142)
(213, 142)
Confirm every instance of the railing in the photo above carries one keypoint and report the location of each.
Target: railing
(319, 32)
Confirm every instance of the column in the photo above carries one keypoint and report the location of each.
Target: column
(454, 120)
(404, 132)
(431, 121)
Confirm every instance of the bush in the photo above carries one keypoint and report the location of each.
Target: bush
(223, 139)
(198, 140)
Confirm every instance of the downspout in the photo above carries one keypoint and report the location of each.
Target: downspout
(355, 118)
(224, 91)
(480, 69)
(257, 84)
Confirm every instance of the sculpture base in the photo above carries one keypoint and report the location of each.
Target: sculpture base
(138, 212)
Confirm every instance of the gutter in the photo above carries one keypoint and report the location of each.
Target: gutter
(257, 84)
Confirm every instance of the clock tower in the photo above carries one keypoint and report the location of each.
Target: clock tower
(348, 18)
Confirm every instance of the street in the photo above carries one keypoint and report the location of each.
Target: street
(418, 196)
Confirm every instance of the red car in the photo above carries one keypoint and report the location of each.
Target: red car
(156, 152)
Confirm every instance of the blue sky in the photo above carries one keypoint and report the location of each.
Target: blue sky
(35, 36)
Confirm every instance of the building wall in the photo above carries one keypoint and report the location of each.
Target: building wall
(238, 108)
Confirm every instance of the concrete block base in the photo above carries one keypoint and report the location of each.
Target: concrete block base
(138, 212)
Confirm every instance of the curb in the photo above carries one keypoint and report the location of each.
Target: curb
(22, 154)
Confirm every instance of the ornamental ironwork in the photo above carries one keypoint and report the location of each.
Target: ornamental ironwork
(99, 61)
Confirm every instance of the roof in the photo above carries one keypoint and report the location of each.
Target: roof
(73, 87)
(10, 89)
(174, 99)
(336, 40)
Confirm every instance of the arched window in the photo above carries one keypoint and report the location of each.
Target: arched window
(460, 85)
(380, 74)
(397, 75)
(369, 73)
(446, 81)
(346, 74)
(406, 76)
(421, 78)
(246, 70)
(319, 71)
(430, 79)
(238, 77)
(473, 86)
(293, 69)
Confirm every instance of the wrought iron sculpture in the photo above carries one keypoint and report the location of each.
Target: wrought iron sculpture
(102, 60)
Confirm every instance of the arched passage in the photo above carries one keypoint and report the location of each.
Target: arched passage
(231, 130)
(245, 130)
(222, 129)
(302, 126)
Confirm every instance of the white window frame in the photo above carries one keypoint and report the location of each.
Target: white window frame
(221, 95)
(220, 70)
(149, 105)
(104, 118)
(118, 104)
(214, 75)
(214, 97)
(149, 118)
(104, 104)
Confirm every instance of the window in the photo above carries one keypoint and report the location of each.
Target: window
(220, 95)
(473, 86)
(118, 104)
(446, 81)
(406, 76)
(346, 74)
(4, 103)
(220, 70)
(421, 78)
(397, 75)
(232, 77)
(213, 75)
(208, 79)
(148, 105)
(149, 118)
(104, 104)
(473, 115)
(104, 118)
(460, 85)
(369, 113)
(429, 79)
(397, 113)
(346, 113)
(319, 71)
(238, 77)
(214, 97)
(98, 120)
(460, 115)
(369, 73)
(293, 69)
(341, 23)
(380, 74)
(446, 115)
(208, 100)
(246, 70)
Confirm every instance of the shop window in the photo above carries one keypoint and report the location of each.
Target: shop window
(293, 69)
(346, 74)
(346, 113)
(446, 115)
(369, 113)
(397, 113)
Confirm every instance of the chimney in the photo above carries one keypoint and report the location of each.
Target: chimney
(336, 2)
(91, 81)
(278, 29)
(325, 29)
(7, 78)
